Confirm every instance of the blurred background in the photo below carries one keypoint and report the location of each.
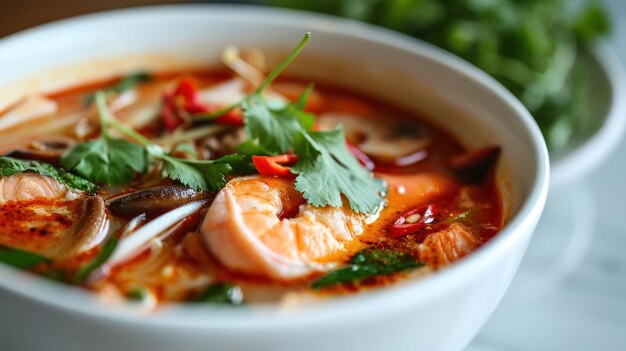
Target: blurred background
(573, 301)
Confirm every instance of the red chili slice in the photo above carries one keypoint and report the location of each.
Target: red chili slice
(275, 165)
(183, 101)
(232, 118)
(414, 220)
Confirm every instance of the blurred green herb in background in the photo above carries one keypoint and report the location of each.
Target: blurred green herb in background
(530, 46)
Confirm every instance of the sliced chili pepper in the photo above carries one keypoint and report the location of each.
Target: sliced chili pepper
(232, 118)
(363, 159)
(414, 220)
(275, 165)
(183, 102)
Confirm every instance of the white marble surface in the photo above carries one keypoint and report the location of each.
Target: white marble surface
(582, 306)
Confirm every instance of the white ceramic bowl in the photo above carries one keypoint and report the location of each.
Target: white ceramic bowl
(441, 312)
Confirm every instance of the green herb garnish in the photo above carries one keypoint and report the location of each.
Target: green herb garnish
(10, 166)
(110, 160)
(106, 160)
(273, 128)
(326, 169)
(368, 263)
(196, 174)
(103, 256)
(224, 293)
(21, 259)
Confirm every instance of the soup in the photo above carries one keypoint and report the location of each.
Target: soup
(232, 186)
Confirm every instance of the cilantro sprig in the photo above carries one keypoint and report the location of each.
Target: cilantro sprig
(110, 160)
(106, 160)
(326, 169)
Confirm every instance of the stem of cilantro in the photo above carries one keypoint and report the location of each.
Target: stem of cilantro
(217, 113)
(266, 82)
(107, 120)
(281, 67)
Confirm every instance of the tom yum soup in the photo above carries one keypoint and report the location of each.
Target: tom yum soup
(234, 185)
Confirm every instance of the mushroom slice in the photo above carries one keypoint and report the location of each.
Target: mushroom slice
(400, 143)
(31, 107)
(155, 201)
(48, 150)
(448, 245)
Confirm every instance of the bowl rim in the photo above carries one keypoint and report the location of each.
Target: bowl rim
(85, 304)
(596, 148)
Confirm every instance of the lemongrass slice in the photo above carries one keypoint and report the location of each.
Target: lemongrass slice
(32, 107)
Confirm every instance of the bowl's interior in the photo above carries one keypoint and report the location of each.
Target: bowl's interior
(399, 70)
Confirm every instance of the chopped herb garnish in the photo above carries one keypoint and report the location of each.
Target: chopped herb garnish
(274, 125)
(10, 166)
(326, 169)
(21, 259)
(224, 293)
(110, 160)
(103, 256)
(368, 263)
(196, 174)
(106, 160)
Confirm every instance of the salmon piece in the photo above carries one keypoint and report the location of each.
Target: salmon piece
(30, 186)
(447, 246)
(39, 215)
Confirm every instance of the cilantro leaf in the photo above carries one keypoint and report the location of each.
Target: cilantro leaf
(106, 160)
(326, 170)
(10, 166)
(368, 263)
(20, 259)
(196, 174)
(274, 124)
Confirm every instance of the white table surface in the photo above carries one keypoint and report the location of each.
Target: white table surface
(586, 310)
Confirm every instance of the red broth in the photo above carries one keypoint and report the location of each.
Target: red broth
(179, 267)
